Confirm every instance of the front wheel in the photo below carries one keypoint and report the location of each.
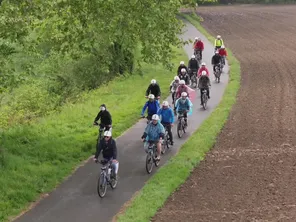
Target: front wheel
(204, 99)
(102, 185)
(180, 130)
(149, 163)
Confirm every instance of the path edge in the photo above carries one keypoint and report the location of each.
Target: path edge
(146, 202)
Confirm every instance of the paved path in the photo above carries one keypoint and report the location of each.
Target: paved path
(76, 200)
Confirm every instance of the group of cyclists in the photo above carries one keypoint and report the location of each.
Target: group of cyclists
(161, 117)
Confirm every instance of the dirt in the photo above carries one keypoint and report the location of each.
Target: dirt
(250, 174)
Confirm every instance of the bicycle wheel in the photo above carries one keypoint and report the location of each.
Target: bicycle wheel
(113, 181)
(156, 162)
(204, 99)
(102, 185)
(180, 130)
(149, 163)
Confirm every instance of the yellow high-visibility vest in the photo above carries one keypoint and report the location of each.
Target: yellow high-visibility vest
(218, 42)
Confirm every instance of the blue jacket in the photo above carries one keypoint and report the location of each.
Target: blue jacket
(153, 107)
(182, 106)
(167, 115)
(153, 132)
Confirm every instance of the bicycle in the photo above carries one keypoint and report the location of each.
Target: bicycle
(197, 54)
(151, 157)
(166, 141)
(217, 73)
(181, 128)
(194, 79)
(204, 97)
(107, 177)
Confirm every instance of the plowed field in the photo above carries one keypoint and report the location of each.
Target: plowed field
(250, 174)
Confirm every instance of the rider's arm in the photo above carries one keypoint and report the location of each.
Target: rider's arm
(172, 119)
(159, 91)
(99, 149)
(109, 117)
(213, 60)
(161, 131)
(98, 117)
(144, 108)
(114, 149)
(148, 90)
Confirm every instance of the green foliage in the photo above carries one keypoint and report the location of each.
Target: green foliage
(155, 192)
(35, 157)
(73, 46)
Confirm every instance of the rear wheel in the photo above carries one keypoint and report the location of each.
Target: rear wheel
(102, 185)
(149, 163)
(204, 99)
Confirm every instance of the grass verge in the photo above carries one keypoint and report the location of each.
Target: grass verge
(154, 194)
(35, 158)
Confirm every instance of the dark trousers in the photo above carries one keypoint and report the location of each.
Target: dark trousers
(208, 93)
(169, 128)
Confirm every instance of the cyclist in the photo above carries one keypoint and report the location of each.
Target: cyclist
(181, 88)
(198, 47)
(181, 66)
(204, 83)
(105, 116)
(155, 132)
(223, 54)
(193, 65)
(173, 87)
(184, 76)
(154, 89)
(167, 118)
(152, 105)
(183, 106)
(218, 42)
(109, 149)
(203, 68)
(216, 60)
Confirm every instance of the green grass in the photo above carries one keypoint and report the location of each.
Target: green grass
(36, 158)
(154, 194)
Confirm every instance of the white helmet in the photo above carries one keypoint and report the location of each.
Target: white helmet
(196, 38)
(108, 133)
(153, 81)
(218, 36)
(151, 96)
(203, 64)
(182, 82)
(203, 73)
(184, 94)
(177, 78)
(193, 57)
(222, 47)
(165, 103)
(183, 70)
(182, 63)
(155, 117)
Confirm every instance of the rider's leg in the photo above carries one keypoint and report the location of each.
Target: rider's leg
(169, 127)
(208, 92)
(115, 167)
(185, 117)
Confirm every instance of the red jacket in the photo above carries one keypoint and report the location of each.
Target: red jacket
(199, 45)
(222, 52)
(203, 69)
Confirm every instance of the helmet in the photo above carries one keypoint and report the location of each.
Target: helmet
(184, 94)
(183, 70)
(165, 103)
(182, 82)
(153, 81)
(108, 133)
(203, 73)
(203, 64)
(155, 117)
(222, 47)
(177, 78)
(103, 107)
(218, 36)
(151, 96)
(193, 57)
(196, 38)
(216, 52)
(182, 63)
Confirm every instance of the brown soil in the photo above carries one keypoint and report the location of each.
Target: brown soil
(250, 174)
